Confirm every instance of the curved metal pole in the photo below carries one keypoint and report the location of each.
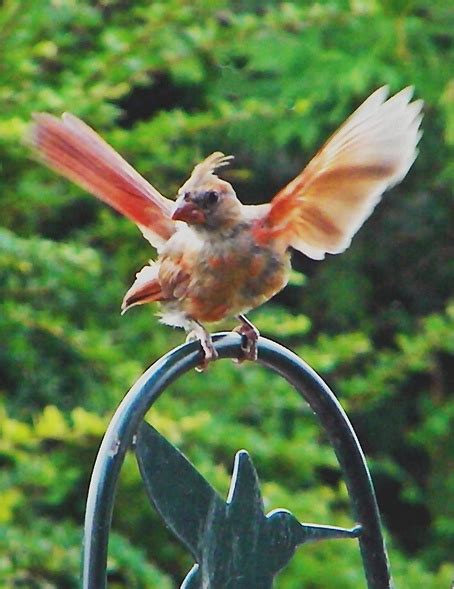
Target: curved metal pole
(312, 388)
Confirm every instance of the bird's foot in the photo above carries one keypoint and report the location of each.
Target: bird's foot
(249, 338)
(199, 333)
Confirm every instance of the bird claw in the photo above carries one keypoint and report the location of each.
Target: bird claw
(249, 338)
(210, 354)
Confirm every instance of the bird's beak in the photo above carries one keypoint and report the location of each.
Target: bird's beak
(188, 212)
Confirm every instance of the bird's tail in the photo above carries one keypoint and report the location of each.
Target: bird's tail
(145, 289)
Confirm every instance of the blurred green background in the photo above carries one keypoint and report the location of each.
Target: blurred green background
(167, 83)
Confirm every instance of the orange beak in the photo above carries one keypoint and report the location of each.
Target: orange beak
(189, 213)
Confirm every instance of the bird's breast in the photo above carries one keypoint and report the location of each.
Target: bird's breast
(233, 275)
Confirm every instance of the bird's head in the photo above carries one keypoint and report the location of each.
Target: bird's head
(205, 201)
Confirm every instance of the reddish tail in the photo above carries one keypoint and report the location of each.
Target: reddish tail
(146, 288)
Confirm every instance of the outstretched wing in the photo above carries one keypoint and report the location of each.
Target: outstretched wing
(323, 207)
(74, 150)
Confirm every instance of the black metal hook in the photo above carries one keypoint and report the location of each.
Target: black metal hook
(130, 413)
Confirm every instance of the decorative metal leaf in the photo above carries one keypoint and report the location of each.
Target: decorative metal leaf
(183, 498)
(235, 544)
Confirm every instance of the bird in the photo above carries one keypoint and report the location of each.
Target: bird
(218, 258)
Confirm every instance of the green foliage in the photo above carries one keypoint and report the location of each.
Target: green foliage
(166, 82)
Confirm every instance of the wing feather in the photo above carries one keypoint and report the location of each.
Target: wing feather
(74, 150)
(322, 208)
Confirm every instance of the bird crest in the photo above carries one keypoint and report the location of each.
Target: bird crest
(204, 171)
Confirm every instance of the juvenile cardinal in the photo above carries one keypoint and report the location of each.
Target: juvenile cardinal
(218, 258)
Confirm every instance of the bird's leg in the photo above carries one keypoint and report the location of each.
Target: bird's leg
(250, 335)
(198, 332)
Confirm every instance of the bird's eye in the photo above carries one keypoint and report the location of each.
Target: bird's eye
(212, 197)
(187, 196)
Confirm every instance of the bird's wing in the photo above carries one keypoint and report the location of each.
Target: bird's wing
(323, 207)
(74, 150)
(175, 274)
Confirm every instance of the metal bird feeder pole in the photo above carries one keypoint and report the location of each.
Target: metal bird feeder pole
(126, 430)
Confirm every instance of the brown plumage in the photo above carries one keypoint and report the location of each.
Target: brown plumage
(217, 257)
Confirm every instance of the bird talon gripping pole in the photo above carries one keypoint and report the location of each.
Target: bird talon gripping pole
(233, 538)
